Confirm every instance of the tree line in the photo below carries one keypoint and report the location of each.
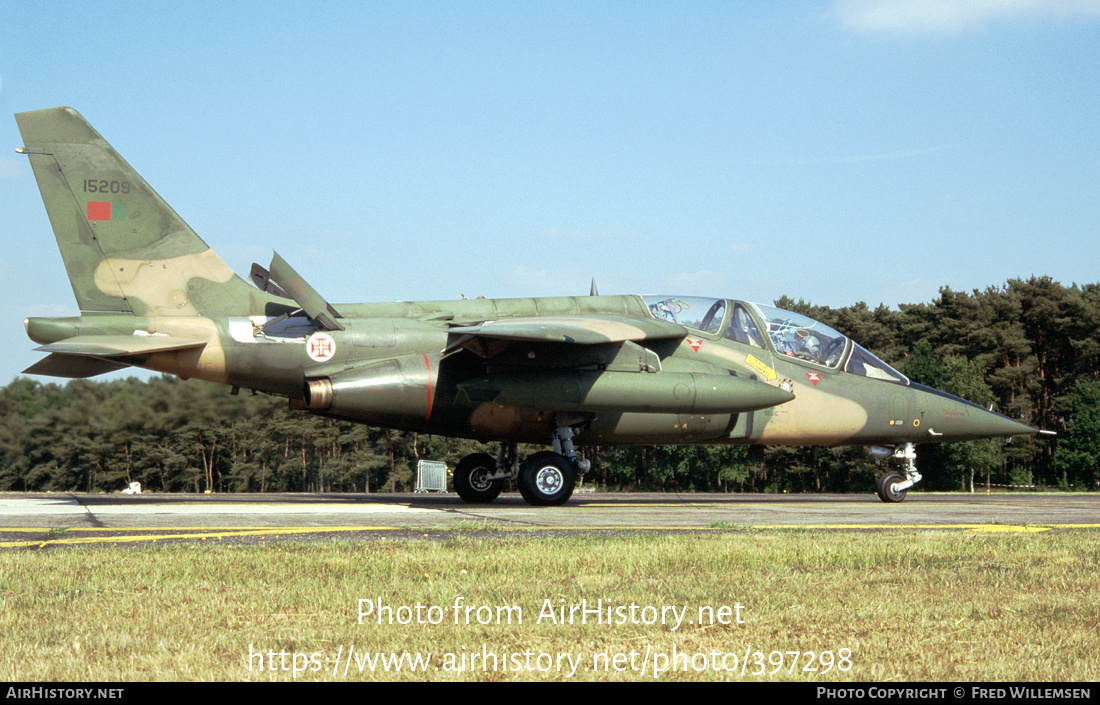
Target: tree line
(1029, 348)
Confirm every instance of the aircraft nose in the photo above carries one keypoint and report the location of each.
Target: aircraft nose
(950, 418)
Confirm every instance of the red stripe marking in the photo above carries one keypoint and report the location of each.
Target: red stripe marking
(428, 366)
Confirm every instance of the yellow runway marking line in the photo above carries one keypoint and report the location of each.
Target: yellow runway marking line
(702, 503)
(634, 505)
(820, 527)
(219, 529)
(203, 533)
(214, 533)
(990, 528)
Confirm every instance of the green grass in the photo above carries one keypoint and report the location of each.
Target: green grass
(910, 606)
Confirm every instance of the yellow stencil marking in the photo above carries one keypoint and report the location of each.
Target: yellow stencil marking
(761, 367)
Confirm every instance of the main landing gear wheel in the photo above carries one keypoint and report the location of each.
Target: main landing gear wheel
(472, 481)
(546, 479)
(885, 486)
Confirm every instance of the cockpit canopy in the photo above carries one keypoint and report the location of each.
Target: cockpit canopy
(787, 333)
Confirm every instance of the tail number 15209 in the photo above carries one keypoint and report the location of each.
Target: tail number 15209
(106, 186)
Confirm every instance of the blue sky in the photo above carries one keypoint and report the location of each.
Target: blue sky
(857, 150)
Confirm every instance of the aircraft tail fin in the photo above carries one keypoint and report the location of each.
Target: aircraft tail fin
(124, 248)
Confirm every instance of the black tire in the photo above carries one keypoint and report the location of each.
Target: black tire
(470, 479)
(878, 484)
(886, 485)
(546, 479)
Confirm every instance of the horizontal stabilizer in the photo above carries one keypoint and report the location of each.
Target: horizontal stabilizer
(119, 345)
(73, 366)
(320, 311)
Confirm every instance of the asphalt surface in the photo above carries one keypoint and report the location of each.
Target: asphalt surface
(56, 519)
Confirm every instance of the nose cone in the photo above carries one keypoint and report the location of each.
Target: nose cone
(950, 418)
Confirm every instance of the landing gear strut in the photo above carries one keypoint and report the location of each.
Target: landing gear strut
(892, 486)
(546, 478)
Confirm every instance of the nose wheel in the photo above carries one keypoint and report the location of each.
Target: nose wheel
(892, 487)
(887, 487)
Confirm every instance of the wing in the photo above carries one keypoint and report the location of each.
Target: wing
(488, 338)
(574, 383)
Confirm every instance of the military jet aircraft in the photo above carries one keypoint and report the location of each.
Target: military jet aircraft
(593, 369)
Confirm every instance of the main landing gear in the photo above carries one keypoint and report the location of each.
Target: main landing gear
(475, 478)
(545, 478)
(893, 486)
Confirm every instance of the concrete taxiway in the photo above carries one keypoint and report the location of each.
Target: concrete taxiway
(47, 519)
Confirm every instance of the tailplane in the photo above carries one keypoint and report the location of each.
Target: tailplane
(125, 249)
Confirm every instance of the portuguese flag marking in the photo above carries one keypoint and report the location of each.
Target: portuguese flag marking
(106, 210)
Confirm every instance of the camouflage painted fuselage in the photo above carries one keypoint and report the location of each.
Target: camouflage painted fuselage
(388, 368)
(618, 369)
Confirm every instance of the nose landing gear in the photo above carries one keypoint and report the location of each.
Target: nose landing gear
(892, 486)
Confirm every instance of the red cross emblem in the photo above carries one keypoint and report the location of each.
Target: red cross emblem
(320, 347)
